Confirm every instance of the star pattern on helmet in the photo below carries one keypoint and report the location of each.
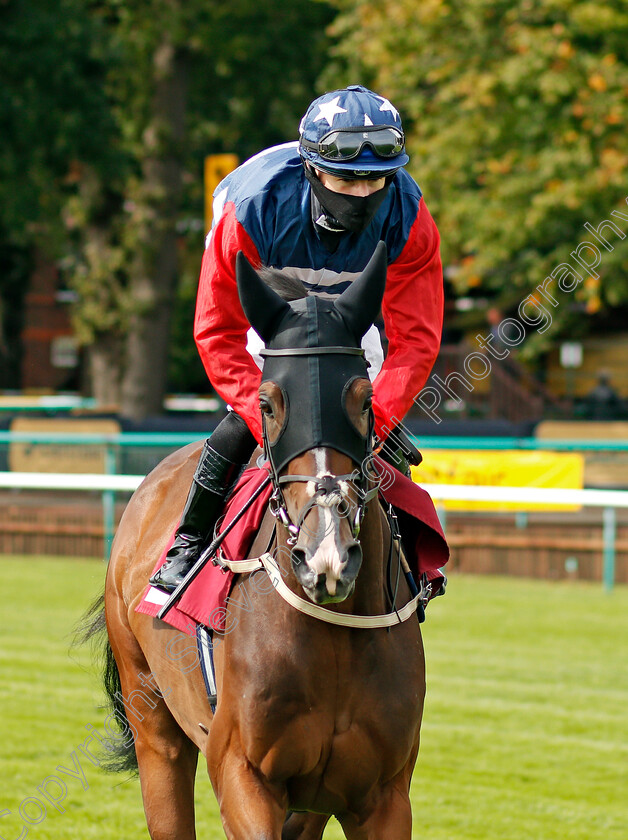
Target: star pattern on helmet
(388, 106)
(328, 110)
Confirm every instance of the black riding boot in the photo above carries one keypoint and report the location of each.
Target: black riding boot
(214, 477)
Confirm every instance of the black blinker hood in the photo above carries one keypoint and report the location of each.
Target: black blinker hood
(314, 385)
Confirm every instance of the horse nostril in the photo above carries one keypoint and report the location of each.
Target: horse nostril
(352, 555)
(298, 557)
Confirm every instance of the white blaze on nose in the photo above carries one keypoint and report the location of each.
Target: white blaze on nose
(322, 469)
(326, 559)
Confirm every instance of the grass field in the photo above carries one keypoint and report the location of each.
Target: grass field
(525, 735)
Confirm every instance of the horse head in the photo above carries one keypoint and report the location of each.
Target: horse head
(315, 400)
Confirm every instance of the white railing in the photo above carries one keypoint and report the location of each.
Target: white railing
(439, 492)
(528, 495)
(71, 481)
(108, 485)
(105, 483)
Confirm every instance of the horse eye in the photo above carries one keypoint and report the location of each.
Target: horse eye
(368, 404)
(266, 408)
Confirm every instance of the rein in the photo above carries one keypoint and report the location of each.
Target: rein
(359, 622)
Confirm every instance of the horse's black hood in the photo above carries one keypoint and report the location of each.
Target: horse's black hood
(314, 384)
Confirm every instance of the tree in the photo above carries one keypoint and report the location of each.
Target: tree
(188, 82)
(54, 112)
(149, 89)
(515, 114)
(14, 265)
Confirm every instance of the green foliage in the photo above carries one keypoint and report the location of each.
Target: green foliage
(15, 264)
(55, 117)
(516, 114)
(109, 109)
(256, 73)
(53, 108)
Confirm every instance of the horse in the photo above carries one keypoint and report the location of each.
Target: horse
(316, 715)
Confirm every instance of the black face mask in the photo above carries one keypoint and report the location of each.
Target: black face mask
(352, 212)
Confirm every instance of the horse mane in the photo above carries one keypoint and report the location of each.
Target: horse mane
(286, 285)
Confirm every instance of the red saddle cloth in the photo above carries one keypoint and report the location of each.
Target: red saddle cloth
(205, 600)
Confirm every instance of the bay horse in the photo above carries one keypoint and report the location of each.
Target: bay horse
(313, 718)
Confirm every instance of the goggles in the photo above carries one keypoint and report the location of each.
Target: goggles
(346, 143)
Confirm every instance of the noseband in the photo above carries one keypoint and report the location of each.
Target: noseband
(327, 489)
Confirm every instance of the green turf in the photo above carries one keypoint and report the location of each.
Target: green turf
(525, 735)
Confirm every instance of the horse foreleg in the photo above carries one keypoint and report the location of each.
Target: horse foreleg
(249, 806)
(304, 826)
(391, 819)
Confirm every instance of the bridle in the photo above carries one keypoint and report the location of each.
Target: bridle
(364, 480)
(266, 311)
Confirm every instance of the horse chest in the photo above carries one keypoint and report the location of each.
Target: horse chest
(323, 708)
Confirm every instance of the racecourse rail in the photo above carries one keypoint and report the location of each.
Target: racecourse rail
(108, 485)
(110, 482)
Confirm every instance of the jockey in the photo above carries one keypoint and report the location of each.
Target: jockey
(316, 208)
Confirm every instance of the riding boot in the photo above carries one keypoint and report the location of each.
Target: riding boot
(213, 479)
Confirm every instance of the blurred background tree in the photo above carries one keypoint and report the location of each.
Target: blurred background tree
(53, 112)
(111, 109)
(516, 115)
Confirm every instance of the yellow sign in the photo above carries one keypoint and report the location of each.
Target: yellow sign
(217, 167)
(501, 468)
